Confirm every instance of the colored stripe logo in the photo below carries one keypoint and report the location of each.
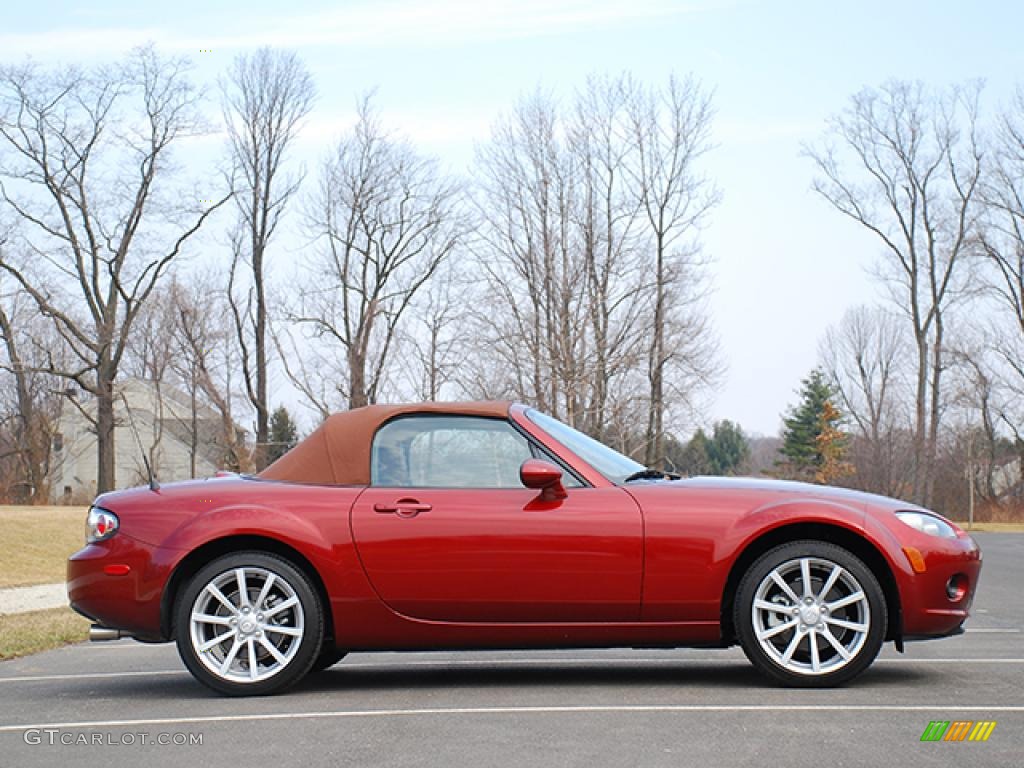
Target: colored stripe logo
(958, 730)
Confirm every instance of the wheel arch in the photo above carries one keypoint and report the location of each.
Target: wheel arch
(839, 535)
(189, 565)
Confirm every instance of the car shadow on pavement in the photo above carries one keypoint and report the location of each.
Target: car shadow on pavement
(702, 675)
(446, 677)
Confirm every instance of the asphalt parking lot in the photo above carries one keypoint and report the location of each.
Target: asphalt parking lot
(96, 705)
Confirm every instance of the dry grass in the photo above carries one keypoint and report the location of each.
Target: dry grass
(993, 527)
(997, 518)
(25, 633)
(999, 513)
(36, 542)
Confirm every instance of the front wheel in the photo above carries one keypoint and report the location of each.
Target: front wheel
(810, 614)
(249, 624)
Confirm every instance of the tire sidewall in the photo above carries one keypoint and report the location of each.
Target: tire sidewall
(747, 589)
(312, 638)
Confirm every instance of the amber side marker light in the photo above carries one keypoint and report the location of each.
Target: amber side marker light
(916, 559)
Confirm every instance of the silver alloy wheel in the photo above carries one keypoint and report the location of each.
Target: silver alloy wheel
(811, 616)
(246, 624)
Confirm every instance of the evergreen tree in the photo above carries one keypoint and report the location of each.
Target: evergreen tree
(728, 449)
(721, 454)
(694, 459)
(283, 434)
(813, 445)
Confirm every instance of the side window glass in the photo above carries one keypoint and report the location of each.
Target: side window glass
(568, 478)
(448, 452)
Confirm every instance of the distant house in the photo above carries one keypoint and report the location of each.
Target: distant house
(1008, 480)
(184, 440)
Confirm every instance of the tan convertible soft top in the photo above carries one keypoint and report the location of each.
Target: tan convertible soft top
(338, 452)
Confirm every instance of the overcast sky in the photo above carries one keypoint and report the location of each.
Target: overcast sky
(785, 265)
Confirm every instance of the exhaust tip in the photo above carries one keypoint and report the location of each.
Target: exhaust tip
(98, 634)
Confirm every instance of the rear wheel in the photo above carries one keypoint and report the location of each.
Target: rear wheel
(249, 624)
(810, 614)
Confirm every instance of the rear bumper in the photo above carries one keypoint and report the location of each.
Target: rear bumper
(101, 589)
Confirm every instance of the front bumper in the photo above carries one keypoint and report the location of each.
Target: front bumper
(928, 611)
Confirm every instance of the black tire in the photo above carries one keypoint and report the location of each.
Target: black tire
(288, 582)
(329, 656)
(834, 668)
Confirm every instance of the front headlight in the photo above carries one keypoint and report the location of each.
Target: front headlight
(100, 524)
(930, 524)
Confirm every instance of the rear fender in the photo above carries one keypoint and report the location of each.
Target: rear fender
(249, 520)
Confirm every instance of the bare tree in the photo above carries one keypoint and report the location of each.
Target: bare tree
(29, 415)
(149, 356)
(86, 167)
(578, 208)
(432, 338)
(1002, 237)
(183, 348)
(978, 399)
(384, 219)
(1002, 243)
(31, 433)
(204, 362)
(612, 239)
(266, 96)
(863, 357)
(533, 303)
(905, 164)
(671, 130)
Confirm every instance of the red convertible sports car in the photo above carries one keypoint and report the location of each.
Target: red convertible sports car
(491, 525)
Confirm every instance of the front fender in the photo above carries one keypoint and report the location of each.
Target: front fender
(851, 527)
(692, 546)
(758, 522)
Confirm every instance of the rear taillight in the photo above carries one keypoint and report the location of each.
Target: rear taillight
(100, 524)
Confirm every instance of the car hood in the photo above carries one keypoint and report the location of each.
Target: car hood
(772, 489)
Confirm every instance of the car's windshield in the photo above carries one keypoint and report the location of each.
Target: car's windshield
(610, 463)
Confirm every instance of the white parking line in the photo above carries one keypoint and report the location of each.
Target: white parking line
(624, 708)
(441, 663)
(995, 630)
(949, 661)
(89, 675)
(598, 661)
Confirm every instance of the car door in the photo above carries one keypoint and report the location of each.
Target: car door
(447, 532)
